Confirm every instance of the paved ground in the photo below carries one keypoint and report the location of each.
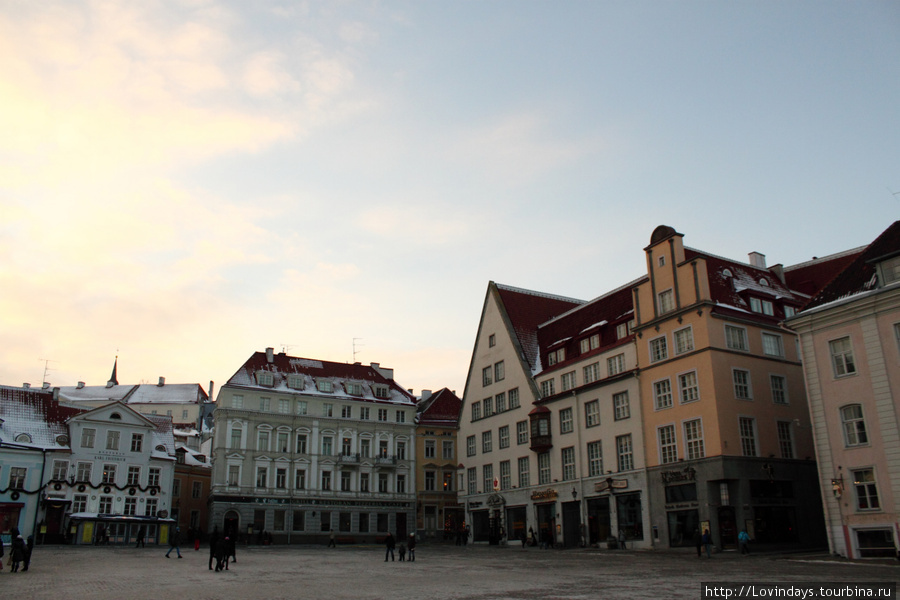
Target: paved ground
(360, 573)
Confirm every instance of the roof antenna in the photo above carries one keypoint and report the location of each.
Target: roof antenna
(286, 348)
(355, 351)
(47, 362)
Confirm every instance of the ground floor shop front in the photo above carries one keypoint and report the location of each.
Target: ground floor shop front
(776, 501)
(256, 520)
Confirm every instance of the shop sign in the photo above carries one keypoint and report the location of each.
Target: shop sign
(686, 474)
(548, 494)
(611, 484)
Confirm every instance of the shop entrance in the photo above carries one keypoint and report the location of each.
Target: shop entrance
(571, 514)
(546, 520)
(598, 520)
(727, 527)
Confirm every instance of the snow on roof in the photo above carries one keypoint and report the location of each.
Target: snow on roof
(169, 393)
(96, 393)
(36, 414)
(193, 458)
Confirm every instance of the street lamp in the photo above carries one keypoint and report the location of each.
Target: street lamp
(574, 494)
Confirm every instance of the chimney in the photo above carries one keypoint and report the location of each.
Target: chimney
(384, 372)
(162, 382)
(758, 260)
(26, 385)
(270, 355)
(211, 385)
(80, 385)
(779, 272)
(46, 386)
(56, 393)
(426, 394)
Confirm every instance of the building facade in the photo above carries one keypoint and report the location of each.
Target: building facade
(303, 447)
(850, 337)
(438, 515)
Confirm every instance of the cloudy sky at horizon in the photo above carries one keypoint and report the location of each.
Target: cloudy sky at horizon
(184, 183)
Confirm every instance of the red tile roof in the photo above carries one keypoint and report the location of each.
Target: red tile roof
(811, 276)
(441, 409)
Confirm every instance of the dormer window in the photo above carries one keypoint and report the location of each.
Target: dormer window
(557, 356)
(381, 391)
(762, 306)
(160, 448)
(116, 416)
(763, 282)
(889, 270)
(295, 382)
(354, 389)
(23, 438)
(590, 343)
(265, 378)
(324, 386)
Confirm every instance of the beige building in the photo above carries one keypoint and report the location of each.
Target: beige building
(438, 515)
(303, 447)
(850, 336)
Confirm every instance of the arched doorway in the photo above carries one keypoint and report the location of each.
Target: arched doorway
(232, 523)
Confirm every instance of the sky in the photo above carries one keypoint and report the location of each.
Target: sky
(185, 183)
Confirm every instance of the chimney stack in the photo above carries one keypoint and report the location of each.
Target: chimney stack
(211, 384)
(80, 385)
(270, 355)
(46, 386)
(758, 260)
(26, 385)
(162, 382)
(426, 394)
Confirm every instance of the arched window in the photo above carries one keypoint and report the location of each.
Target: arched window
(854, 425)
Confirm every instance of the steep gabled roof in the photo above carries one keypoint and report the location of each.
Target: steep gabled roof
(35, 413)
(526, 310)
(861, 275)
(812, 276)
(441, 409)
(341, 375)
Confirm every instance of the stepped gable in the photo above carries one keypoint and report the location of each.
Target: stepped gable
(527, 310)
(861, 275)
(600, 315)
(441, 409)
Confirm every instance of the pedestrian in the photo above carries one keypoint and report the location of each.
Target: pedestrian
(17, 550)
(744, 541)
(222, 549)
(622, 539)
(231, 549)
(213, 547)
(532, 540)
(142, 531)
(523, 537)
(29, 546)
(698, 542)
(198, 533)
(331, 543)
(175, 542)
(402, 551)
(389, 546)
(468, 530)
(101, 533)
(412, 547)
(707, 543)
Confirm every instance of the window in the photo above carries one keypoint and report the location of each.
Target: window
(176, 487)
(544, 468)
(773, 345)
(60, 469)
(492, 340)
(364, 482)
(668, 446)
(666, 302)
(486, 442)
(624, 453)
(234, 475)
(83, 471)
(382, 415)
(150, 507)
(354, 389)
(842, 357)
(658, 349)
(476, 411)
(505, 475)
(447, 449)
(300, 479)
(499, 371)
(470, 445)
(345, 481)
(591, 373)
(17, 477)
(106, 503)
(762, 306)
(684, 340)
(346, 412)
(661, 260)
(736, 338)
(328, 409)
(866, 489)
(264, 404)
(381, 391)
(487, 476)
(503, 435)
(522, 432)
(327, 445)
(284, 406)
(79, 503)
(789, 311)
(301, 443)
(566, 422)
(109, 474)
(153, 476)
(364, 413)
(513, 398)
(325, 386)
(303, 407)
(134, 475)
(429, 481)
(264, 378)
(548, 388)
(693, 439)
(557, 356)
(741, 379)
(621, 330)
(430, 448)
(897, 334)
(112, 440)
(326, 481)
(500, 399)
(137, 442)
(688, 388)
(595, 459)
(662, 394)
(235, 436)
(237, 401)
(567, 381)
(889, 270)
(854, 425)
(472, 480)
(487, 376)
(616, 364)
(747, 426)
(401, 416)
(365, 445)
(568, 464)
(785, 439)
(592, 413)
(262, 477)
(262, 440)
(488, 406)
(621, 406)
(281, 441)
(524, 472)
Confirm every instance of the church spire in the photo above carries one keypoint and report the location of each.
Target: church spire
(112, 378)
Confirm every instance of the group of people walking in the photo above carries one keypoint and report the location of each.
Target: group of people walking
(221, 550)
(19, 551)
(390, 543)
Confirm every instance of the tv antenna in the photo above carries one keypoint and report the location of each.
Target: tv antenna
(47, 362)
(286, 348)
(355, 351)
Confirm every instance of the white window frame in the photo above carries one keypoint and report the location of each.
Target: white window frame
(521, 432)
(621, 406)
(772, 344)
(591, 373)
(739, 387)
(615, 364)
(683, 340)
(592, 413)
(662, 394)
(785, 438)
(567, 457)
(841, 366)
(624, 452)
(667, 444)
(865, 486)
(503, 436)
(567, 381)
(566, 420)
(734, 334)
(854, 426)
(658, 348)
(780, 390)
(487, 441)
(524, 467)
(694, 447)
(749, 439)
(595, 458)
(665, 301)
(688, 387)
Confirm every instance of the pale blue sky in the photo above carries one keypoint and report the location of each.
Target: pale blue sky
(189, 182)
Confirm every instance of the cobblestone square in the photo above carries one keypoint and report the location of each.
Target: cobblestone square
(360, 573)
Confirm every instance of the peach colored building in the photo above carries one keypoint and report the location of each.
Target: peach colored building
(850, 336)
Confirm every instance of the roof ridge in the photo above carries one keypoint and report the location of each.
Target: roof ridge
(597, 299)
(518, 290)
(731, 260)
(825, 258)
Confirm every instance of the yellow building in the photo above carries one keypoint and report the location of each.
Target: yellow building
(438, 515)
